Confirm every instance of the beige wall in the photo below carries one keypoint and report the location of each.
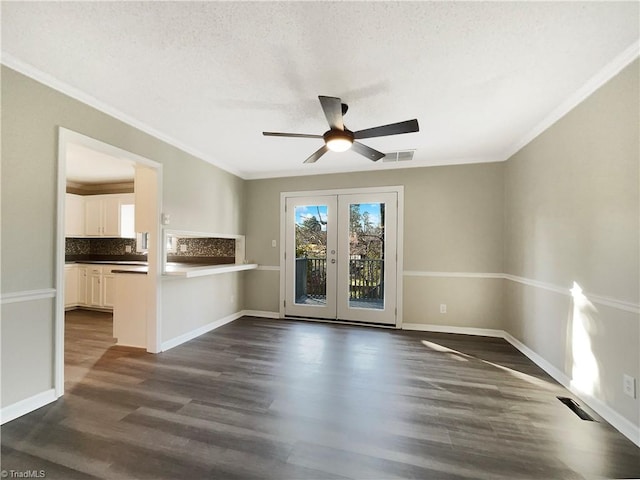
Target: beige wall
(453, 223)
(572, 215)
(199, 197)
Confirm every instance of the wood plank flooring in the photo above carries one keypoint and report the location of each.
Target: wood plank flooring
(270, 399)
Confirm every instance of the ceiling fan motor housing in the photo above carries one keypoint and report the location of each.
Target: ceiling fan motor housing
(338, 140)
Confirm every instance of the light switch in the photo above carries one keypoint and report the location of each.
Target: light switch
(274, 243)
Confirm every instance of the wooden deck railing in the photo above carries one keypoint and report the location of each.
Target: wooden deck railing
(366, 278)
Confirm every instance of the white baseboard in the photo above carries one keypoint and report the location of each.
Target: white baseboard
(425, 327)
(624, 426)
(260, 313)
(27, 405)
(174, 342)
(557, 375)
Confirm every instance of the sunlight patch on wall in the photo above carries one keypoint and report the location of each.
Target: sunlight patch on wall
(585, 373)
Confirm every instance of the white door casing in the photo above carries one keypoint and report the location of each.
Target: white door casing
(338, 305)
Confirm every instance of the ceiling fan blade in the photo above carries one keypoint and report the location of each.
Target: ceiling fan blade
(368, 152)
(294, 135)
(407, 126)
(317, 154)
(332, 108)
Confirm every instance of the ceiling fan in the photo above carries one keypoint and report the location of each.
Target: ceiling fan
(340, 139)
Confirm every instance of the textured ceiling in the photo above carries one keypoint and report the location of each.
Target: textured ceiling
(482, 78)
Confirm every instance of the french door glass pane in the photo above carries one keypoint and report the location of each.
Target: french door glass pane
(366, 255)
(311, 255)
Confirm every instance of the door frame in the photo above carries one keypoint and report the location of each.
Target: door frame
(398, 189)
(66, 136)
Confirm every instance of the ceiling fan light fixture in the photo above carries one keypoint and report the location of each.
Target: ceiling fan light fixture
(339, 144)
(338, 141)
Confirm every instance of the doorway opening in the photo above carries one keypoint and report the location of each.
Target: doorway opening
(108, 222)
(342, 255)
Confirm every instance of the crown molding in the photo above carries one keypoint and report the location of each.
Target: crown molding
(594, 83)
(34, 73)
(600, 78)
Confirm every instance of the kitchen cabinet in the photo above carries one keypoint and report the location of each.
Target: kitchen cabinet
(82, 285)
(74, 218)
(103, 215)
(91, 286)
(70, 286)
(109, 289)
(96, 295)
(101, 285)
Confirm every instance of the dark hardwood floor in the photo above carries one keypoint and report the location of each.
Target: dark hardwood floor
(270, 399)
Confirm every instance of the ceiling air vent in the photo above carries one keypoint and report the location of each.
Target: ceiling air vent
(399, 156)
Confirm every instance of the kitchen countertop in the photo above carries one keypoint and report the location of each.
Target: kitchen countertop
(190, 271)
(172, 269)
(139, 270)
(107, 262)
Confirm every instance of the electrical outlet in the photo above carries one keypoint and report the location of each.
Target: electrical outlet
(629, 385)
(443, 308)
(127, 249)
(183, 248)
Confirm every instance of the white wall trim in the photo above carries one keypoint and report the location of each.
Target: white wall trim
(269, 268)
(27, 295)
(260, 313)
(416, 273)
(603, 76)
(624, 426)
(179, 340)
(592, 297)
(185, 337)
(482, 332)
(73, 92)
(15, 410)
(613, 303)
(538, 284)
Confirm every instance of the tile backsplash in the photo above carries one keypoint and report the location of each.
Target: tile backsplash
(206, 251)
(205, 247)
(77, 246)
(99, 246)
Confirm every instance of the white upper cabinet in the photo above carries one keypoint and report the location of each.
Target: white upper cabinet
(103, 215)
(111, 216)
(93, 216)
(74, 216)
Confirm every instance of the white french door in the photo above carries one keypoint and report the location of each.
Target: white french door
(341, 257)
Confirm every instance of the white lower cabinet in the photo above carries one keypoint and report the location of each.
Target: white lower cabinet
(90, 285)
(82, 285)
(70, 286)
(108, 289)
(95, 287)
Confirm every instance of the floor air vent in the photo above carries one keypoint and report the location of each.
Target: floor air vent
(573, 406)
